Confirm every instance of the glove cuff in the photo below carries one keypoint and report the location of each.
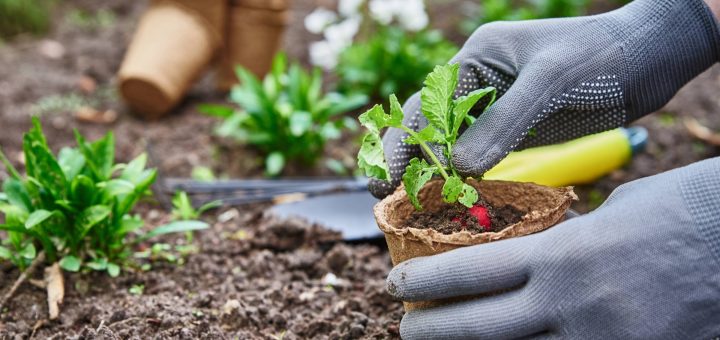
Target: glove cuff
(666, 43)
(700, 187)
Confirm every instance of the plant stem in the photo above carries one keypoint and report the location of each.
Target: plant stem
(427, 150)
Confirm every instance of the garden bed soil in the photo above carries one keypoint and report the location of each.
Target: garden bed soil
(253, 277)
(277, 283)
(453, 218)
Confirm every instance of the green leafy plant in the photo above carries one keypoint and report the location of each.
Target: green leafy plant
(24, 16)
(286, 116)
(183, 209)
(392, 60)
(445, 116)
(504, 10)
(77, 206)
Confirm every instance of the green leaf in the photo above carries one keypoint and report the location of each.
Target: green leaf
(371, 157)
(98, 264)
(28, 252)
(113, 270)
(464, 104)
(374, 119)
(175, 227)
(5, 253)
(396, 112)
(70, 263)
(37, 217)
(134, 169)
(300, 122)
(42, 166)
(469, 195)
(92, 216)
(429, 135)
(452, 189)
(212, 110)
(83, 190)
(117, 187)
(71, 162)
(417, 173)
(274, 163)
(17, 194)
(129, 224)
(99, 155)
(8, 166)
(437, 95)
(209, 206)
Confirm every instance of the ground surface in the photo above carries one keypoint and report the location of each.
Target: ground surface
(250, 278)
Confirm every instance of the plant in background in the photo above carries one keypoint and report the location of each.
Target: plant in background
(445, 116)
(24, 16)
(76, 206)
(503, 10)
(287, 116)
(378, 47)
(183, 209)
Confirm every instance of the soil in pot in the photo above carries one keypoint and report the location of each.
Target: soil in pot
(453, 218)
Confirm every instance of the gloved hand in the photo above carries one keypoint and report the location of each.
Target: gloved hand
(566, 78)
(645, 265)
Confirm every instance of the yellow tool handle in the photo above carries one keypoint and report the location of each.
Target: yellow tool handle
(578, 161)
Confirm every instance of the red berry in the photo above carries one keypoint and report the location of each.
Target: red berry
(462, 222)
(481, 213)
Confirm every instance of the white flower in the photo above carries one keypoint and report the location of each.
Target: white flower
(341, 34)
(349, 8)
(414, 17)
(320, 18)
(383, 11)
(323, 54)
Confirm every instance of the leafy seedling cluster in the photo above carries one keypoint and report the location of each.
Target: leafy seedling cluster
(445, 116)
(287, 116)
(76, 207)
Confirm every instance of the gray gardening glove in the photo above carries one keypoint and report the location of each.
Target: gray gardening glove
(566, 78)
(645, 265)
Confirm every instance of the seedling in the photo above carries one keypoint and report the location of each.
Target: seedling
(76, 206)
(183, 209)
(287, 116)
(445, 116)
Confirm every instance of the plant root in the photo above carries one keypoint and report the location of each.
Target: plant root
(701, 132)
(22, 278)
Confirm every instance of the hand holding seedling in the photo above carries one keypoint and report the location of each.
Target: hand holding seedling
(560, 79)
(446, 115)
(645, 265)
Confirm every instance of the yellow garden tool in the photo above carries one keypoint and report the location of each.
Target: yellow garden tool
(579, 161)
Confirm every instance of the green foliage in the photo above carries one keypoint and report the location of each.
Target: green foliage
(183, 209)
(286, 116)
(505, 10)
(102, 18)
(24, 16)
(76, 206)
(392, 61)
(445, 116)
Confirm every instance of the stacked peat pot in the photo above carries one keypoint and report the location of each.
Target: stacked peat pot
(176, 40)
(543, 208)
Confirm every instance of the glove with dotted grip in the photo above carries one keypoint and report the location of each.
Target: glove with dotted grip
(560, 79)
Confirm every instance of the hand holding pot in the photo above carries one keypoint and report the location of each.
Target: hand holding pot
(645, 265)
(559, 79)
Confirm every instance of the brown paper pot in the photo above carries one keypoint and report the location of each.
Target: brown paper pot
(546, 207)
(254, 37)
(173, 43)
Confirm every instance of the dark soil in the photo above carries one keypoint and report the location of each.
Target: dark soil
(250, 278)
(453, 218)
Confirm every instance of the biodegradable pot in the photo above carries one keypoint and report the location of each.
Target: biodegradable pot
(545, 207)
(174, 42)
(254, 35)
